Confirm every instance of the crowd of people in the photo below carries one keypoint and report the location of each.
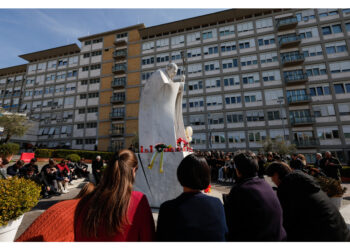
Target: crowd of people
(53, 178)
(298, 210)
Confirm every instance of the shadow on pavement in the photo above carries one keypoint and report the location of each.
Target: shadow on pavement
(45, 204)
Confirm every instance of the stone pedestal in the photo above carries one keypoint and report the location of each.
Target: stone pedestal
(159, 187)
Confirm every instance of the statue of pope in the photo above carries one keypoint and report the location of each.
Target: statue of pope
(160, 112)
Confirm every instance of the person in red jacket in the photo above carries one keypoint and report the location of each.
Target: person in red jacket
(64, 176)
(113, 211)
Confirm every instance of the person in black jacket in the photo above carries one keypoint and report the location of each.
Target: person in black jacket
(29, 168)
(331, 166)
(49, 175)
(308, 214)
(97, 165)
(81, 168)
(192, 216)
(253, 212)
(15, 169)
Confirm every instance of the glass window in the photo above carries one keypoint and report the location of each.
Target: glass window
(336, 28)
(339, 88)
(326, 30)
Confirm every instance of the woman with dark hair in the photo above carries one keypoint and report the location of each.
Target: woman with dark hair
(192, 216)
(113, 211)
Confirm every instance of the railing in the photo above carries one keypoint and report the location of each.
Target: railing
(116, 132)
(293, 58)
(291, 21)
(311, 142)
(118, 68)
(296, 78)
(289, 39)
(299, 98)
(117, 98)
(302, 120)
(120, 53)
(116, 83)
(117, 115)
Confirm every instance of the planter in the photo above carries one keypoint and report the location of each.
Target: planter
(8, 232)
(337, 201)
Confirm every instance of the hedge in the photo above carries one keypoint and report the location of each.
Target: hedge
(63, 153)
(345, 172)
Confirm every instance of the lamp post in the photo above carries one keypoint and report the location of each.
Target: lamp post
(280, 101)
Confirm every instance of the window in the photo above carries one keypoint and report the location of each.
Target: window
(148, 45)
(266, 40)
(268, 57)
(59, 88)
(96, 53)
(147, 60)
(323, 110)
(162, 43)
(196, 120)
(305, 15)
(336, 47)
(72, 73)
(308, 33)
(210, 66)
(249, 60)
(84, 82)
(69, 100)
(91, 125)
(231, 81)
(122, 35)
(250, 78)
(93, 95)
(99, 40)
(344, 108)
(90, 141)
(87, 42)
(199, 138)
(217, 138)
(272, 75)
(342, 88)
(146, 75)
(339, 67)
(233, 99)
(195, 52)
(263, 23)
(216, 119)
(209, 34)
(82, 96)
(52, 64)
(229, 46)
(227, 30)
(62, 62)
(73, 60)
(81, 111)
(315, 70)
(177, 40)
(252, 97)
(210, 50)
(95, 80)
(347, 26)
(92, 109)
(85, 68)
(80, 126)
(255, 115)
(328, 133)
(244, 27)
(195, 85)
(162, 58)
(312, 51)
(319, 90)
(176, 55)
(273, 115)
(196, 102)
(327, 12)
(30, 80)
(256, 136)
(96, 66)
(194, 68)
(214, 100)
(234, 117)
(332, 29)
(193, 37)
(236, 137)
(245, 44)
(32, 68)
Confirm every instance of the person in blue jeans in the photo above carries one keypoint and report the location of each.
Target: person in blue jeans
(192, 216)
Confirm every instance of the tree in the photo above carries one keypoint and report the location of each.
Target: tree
(13, 125)
(279, 145)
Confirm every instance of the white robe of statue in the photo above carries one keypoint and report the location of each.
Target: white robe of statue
(160, 111)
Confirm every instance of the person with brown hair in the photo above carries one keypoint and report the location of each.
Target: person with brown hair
(87, 189)
(113, 211)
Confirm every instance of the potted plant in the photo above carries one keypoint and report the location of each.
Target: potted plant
(333, 189)
(18, 195)
(7, 150)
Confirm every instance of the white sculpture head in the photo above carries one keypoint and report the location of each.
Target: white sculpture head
(171, 70)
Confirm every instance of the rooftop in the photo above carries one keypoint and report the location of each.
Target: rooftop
(13, 70)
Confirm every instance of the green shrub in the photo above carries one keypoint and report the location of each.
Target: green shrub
(9, 149)
(18, 195)
(63, 153)
(73, 157)
(43, 153)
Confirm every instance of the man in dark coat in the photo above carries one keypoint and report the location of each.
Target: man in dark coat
(15, 169)
(295, 163)
(308, 214)
(253, 212)
(30, 167)
(97, 165)
(331, 166)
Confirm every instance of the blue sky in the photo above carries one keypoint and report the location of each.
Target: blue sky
(29, 30)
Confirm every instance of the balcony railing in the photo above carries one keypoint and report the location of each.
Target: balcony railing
(117, 115)
(295, 99)
(292, 59)
(121, 41)
(287, 23)
(307, 143)
(289, 41)
(297, 78)
(116, 132)
(119, 54)
(118, 69)
(118, 84)
(117, 99)
(302, 120)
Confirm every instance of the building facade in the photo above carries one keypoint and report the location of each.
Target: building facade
(250, 74)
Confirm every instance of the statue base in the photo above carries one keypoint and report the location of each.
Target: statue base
(159, 187)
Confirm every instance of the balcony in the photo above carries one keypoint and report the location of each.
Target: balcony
(297, 78)
(118, 84)
(286, 23)
(119, 69)
(121, 41)
(307, 143)
(117, 115)
(301, 121)
(116, 132)
(120, 54)
(118, 99)
(289, 41)
(299, 99)
(293, 59)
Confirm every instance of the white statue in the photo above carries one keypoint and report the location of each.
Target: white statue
(160, 112)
